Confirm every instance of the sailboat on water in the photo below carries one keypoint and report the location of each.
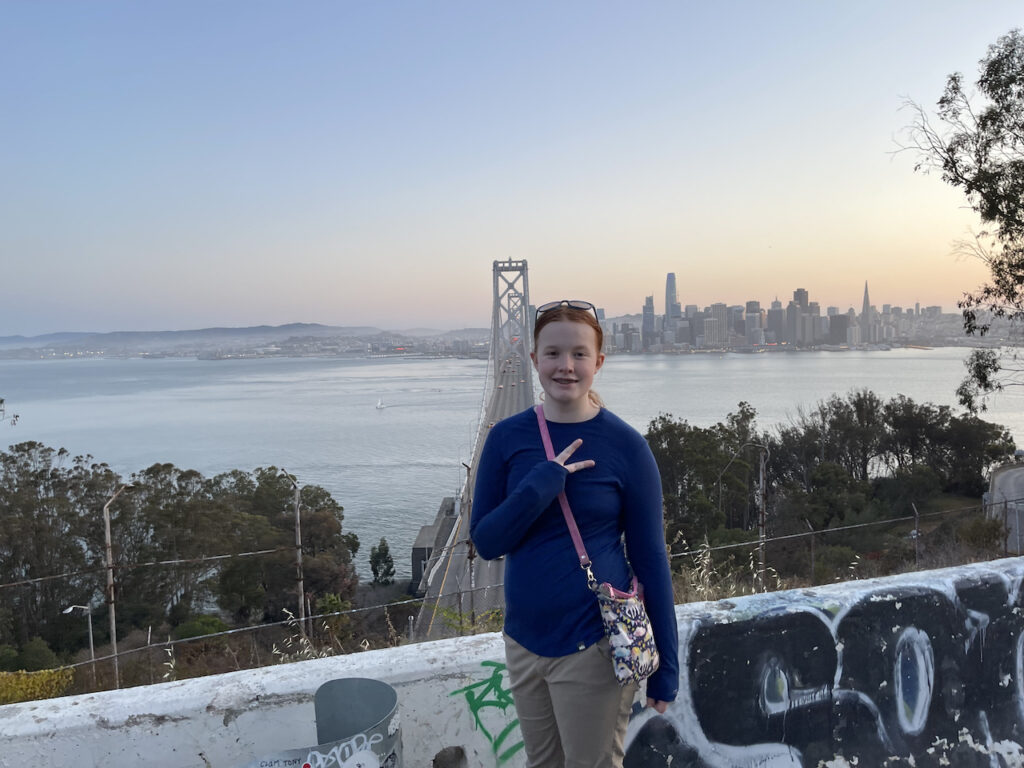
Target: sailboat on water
(380, 404)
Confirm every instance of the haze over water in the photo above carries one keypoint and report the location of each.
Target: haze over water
(389, 468)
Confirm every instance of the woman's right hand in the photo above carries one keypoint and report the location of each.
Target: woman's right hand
(574, 466)
(657, 706)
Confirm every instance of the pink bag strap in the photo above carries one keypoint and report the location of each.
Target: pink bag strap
(570, 521)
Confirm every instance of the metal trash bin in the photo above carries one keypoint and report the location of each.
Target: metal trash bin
(357, 726)
(360, 714)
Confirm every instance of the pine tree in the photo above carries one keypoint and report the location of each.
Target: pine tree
(381, 564)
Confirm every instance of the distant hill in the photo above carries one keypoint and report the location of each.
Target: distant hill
(470, 334)
(172, 338)
(211, 337)
(42, 341)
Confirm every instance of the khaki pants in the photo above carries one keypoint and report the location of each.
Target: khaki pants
(572, 711)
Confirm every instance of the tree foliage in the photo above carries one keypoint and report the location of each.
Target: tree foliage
(707, 474)
(868, 440)
(976, 142)
(849, 459)
(382, 566)
(52, 525)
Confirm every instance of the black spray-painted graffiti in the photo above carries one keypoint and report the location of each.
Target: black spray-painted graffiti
(491, 693)
(917, 674)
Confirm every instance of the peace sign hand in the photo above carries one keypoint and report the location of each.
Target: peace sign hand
(569, 451)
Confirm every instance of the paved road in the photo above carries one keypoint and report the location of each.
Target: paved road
(1006, 495)
(465, 586)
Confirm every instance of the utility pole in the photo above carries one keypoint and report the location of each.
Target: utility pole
(811, 529)
(298, 557)
(110, 583)
(762, 516)
(467, 508)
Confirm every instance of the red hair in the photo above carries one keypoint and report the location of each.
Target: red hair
(571, 315)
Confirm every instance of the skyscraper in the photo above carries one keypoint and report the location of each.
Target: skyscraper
(838, 329)
(716, 335)
(800, 298)
(753, 310)
(647, 329)
(793, 313)
(672, 309)
(736, 320)
(712, 333)
(867, 332)
(753, 323)
(775, 323)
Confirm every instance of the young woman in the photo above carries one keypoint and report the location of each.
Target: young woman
(572, 711)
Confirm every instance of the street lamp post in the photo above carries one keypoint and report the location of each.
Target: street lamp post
(110, 582)
(298, 556)
(92, 649)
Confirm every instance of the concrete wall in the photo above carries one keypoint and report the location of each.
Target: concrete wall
(921, 669)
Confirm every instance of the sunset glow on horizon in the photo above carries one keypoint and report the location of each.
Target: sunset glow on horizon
(186, 165)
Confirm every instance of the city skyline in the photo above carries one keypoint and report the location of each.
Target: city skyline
(796, 322)
(784, 299)
(187, 165)
(629, 312)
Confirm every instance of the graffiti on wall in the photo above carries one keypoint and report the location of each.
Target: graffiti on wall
(360, 751)
(914, 674)
(491, 694)
(369, 738)
(363, 750)
(898, 673)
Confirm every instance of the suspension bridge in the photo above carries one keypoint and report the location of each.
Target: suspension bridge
(457, 585)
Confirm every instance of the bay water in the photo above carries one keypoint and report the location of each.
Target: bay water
(390, 467)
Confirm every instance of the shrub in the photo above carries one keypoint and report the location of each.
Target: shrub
(29, 686)
(36, 655)
(982, 533)
(8, 658)
(837, 563)
(199, 626)
(337, 628)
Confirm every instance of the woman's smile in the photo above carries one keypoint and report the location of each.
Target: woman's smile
(566, 359)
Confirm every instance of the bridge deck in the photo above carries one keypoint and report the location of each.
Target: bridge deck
(459, 586)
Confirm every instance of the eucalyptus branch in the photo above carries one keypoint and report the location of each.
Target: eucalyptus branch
(977, 143)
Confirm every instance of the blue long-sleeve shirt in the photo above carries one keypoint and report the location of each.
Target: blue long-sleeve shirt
(549, 609)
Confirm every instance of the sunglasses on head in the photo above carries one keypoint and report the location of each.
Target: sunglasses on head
(586, 306)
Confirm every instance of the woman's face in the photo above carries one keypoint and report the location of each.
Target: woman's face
(566, 360)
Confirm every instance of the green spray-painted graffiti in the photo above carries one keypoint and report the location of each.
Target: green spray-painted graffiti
(491, 693)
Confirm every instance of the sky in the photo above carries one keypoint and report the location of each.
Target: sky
(174, 165)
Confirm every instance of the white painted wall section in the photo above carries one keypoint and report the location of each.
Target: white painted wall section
(897, 666)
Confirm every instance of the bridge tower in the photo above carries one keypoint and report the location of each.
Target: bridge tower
(455, 581)
(511, 327)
